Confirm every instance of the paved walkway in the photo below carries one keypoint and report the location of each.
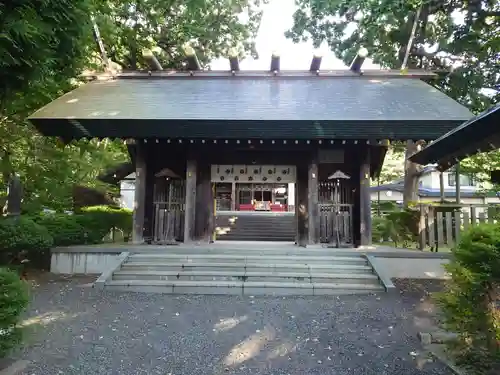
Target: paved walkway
(78, 330)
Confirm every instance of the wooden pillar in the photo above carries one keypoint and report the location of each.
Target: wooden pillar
(233, 196)
(139, 192)
(457, 183)
(365, 201)
(313, 200)
(301, 210)
(204, 203)
(149, 199)
(295, 208)
(190, 206)
(441, 186)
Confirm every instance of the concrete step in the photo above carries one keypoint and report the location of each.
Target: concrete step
(240, 288)
(290, 236)
(255, 218)
(202, 275)
(222, 248)
(255, 230)
(256, 239)
(256, 225)
(249, 267)
(257, 233)
(246, 258)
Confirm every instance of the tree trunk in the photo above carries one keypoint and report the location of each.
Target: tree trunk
(412, 174)
(491, 301)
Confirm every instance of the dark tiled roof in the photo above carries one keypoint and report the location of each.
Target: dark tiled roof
(311, 107)
(479, 134)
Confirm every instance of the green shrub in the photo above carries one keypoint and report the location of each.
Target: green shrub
(384, 207)
(471, 302)
(101, 220)
(64, 229)
(22, 237)
(382, 229)
(14, 299)
(404, 226)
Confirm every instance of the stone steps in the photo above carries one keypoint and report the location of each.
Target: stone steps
(247, 276)
(232, 248)
(252, 267)
(240, 288)
(274, 238)
(243, 258)
(315, 272)
(255, 227)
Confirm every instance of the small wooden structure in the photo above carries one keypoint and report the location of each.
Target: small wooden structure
(312, 122)
(479, 134)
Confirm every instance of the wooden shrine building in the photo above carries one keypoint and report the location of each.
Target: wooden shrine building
(247, 139)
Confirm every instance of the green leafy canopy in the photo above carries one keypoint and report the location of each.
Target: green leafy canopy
(461, 37)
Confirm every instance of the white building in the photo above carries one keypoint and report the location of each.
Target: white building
(471, 192)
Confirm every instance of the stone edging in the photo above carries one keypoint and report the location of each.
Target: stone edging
(379, 270)
(118, 249)
(15, 368)
(410, 255)
(108, 274)
(88, 250)
(434, 344)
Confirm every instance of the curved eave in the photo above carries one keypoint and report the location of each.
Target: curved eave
(479, 134)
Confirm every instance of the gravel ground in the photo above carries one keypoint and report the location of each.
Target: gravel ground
(75, 329)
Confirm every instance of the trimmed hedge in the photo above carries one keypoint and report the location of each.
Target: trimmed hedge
(14, 299)
(64, 229)
(101, 220)
(20, 238)
(32, 237)
(89, 226)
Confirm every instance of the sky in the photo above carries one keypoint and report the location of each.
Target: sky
(276, 19)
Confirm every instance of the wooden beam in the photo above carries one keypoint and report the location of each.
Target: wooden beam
(358, 61)
(151, 59)
(275, 63)
(315, 64)
(193, 63)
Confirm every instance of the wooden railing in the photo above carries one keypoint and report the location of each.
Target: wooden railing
(441, 225)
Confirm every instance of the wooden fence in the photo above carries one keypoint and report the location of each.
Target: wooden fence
(440, 226)
(333, 217)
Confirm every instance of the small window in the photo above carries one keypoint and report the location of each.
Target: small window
(451, 179)
(465, 180)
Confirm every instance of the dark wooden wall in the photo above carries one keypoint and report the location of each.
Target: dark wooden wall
(154, 157)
